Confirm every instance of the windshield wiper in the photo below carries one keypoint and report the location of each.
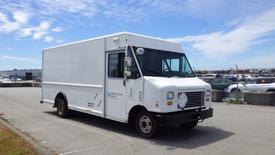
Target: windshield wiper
(167, 65)
(169, 69)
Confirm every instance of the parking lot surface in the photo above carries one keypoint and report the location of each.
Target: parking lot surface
(234, 129)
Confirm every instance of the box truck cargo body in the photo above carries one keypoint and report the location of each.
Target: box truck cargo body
(126, 77)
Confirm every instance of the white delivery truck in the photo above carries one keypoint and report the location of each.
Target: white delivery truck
(126, 77)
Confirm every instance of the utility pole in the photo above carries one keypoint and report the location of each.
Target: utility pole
(237, 78)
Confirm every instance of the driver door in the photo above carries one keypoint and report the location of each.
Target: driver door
(115, 107)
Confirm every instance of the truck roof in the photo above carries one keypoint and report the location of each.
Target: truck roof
(113, 35)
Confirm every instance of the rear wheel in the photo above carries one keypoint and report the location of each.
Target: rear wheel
(62, 108)
(146, 124)
(189, 125)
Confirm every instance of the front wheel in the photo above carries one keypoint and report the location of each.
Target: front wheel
(146, 124)
(189, 125)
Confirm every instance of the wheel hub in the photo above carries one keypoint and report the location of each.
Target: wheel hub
(145, 124)
(60, 108)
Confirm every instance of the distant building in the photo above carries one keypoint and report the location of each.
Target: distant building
(264, 72)
(24, 74)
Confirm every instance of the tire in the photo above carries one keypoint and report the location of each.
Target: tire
(146, 124)
(62, 108)
(189, 125)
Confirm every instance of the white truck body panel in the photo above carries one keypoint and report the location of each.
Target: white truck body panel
(65, 71)
(79, 70)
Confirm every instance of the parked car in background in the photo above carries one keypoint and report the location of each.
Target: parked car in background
(15, 79)
(6, 80)
(230, 77)
(209, 77)
(248, 77)
(220, 83)
(244, 77)
(199, 76)
(244, 87)
(262, 80)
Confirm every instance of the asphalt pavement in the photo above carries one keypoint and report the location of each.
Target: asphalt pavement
(234, 129)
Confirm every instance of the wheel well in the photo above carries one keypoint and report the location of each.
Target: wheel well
(60, 95)
(134, 112)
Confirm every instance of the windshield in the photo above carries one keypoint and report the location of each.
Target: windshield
(163, 63)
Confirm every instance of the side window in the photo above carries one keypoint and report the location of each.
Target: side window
(186, 69)
(116, 65)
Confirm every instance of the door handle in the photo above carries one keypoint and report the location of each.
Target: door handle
(130, 92)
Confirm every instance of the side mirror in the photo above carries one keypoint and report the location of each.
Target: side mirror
(127, 61)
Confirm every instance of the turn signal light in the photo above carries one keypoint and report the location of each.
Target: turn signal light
(169, 103)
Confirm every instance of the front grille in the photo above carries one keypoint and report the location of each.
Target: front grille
(195, 99)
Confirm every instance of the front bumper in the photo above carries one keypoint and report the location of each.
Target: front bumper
(185, 116)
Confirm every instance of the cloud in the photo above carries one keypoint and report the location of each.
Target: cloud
(20, 24)
(41, 30)
(134, 11)
(21, 17)
(25, 32)
(3, 18)
(137, 11)
(130, 11)
(84, 7)
(48, 39)
(7, 57)
(39, 35)
(37, 32)
(264, 61)
(26, 14)
(17, 22)
(237, 40)
(57, 29)
(10, 27)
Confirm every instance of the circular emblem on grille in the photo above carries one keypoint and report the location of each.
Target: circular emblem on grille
(182, 100)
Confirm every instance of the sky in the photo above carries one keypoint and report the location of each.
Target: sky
(214, 34)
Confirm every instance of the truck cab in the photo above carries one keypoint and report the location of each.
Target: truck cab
(165, 84)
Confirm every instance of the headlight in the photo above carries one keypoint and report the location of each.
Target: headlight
(170, 95)
(208, 93)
